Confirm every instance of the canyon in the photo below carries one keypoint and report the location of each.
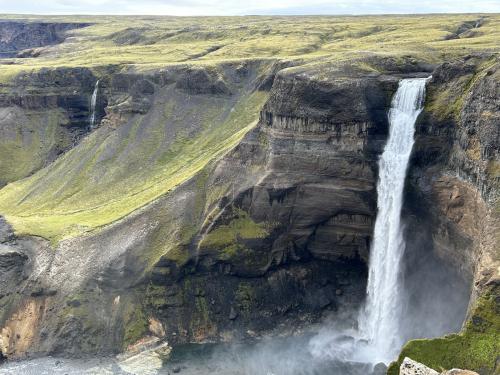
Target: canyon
(225, 200)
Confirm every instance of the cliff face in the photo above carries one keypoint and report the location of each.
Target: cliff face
(453, 204)
(289, 235)
(218, 203)
(18, 36)
(43, 114)
(456, 161)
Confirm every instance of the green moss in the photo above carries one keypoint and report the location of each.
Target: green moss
(449, 101)
(155, 296)
(146, 43)
(245, 297)
(202, 311)
(135, 324)
(29, 142)
(240, 227)
(476, 348)
(231, 251)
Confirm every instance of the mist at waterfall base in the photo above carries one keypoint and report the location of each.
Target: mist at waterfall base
(411, 293)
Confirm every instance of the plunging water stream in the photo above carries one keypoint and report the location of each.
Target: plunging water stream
(93, 103)
(380, 320)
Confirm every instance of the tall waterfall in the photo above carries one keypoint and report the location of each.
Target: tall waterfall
(93, 103)
(379, 322)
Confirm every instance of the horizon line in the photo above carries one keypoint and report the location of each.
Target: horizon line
(245, 15)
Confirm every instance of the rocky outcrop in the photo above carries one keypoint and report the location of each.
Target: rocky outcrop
(290, 235)
(411, 367)
(18, 36)
(455, 166)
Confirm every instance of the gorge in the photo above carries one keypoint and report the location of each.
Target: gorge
(208, 195)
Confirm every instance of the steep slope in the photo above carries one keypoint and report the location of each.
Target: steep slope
(42, 115)
(132, 159)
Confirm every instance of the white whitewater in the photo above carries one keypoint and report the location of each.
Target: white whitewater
(379, 322)
(93, 103)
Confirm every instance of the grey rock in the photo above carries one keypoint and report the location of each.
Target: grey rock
(411, 367)
(233, 313)
(379, 369)
(459, 372)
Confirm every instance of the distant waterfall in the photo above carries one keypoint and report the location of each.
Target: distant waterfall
(379, 322)
(93, 103)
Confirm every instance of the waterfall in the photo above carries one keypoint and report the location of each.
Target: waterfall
(380, 319)
(93, 103)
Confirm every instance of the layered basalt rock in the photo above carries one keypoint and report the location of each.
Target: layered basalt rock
(19, 36)
(455, 163)
(298, 210)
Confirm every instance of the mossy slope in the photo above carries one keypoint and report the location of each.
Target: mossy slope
(113, 172)
(476, 348)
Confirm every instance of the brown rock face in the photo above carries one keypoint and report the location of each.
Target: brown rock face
(455, 162)
(19, 331)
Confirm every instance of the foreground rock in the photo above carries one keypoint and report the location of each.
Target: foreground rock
(459, 372)
(411, 367)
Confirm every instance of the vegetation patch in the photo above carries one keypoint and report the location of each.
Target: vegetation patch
(476, 348)
(135, 324)
(241, 227)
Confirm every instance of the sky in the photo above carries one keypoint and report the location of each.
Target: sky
(238, 7)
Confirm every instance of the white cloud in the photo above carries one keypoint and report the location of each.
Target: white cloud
(234, 7)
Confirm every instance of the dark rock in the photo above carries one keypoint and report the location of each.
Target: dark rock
(380, 369)
(233, 313)
(74, 303)
(6, 231)
(17, 36)
(450, 194)
(202, 81)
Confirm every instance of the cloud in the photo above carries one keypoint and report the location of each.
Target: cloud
(231, 7)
